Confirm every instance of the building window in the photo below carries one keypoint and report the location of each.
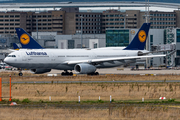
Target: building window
(178, 35)
(70, 44)
(117, 38)
(178, 53)
(151, 39)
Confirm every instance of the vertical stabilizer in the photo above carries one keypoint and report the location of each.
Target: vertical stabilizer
(26, 40)
(139, 41)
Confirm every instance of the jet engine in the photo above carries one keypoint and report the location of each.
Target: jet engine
(84, 68)
(40, 71)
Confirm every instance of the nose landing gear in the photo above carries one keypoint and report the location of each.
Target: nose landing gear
(20, 72)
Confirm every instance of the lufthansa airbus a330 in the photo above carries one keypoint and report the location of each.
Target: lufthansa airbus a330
(84, 61)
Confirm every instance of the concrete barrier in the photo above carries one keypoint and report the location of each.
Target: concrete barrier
(120, 68)
(50, 75)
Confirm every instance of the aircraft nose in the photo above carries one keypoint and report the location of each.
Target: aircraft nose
(6, 60)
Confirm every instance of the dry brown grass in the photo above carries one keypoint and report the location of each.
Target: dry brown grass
(125, 112)
(92, 91)
(43, 77)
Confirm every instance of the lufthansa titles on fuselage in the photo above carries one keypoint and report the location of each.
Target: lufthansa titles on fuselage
(36, 53)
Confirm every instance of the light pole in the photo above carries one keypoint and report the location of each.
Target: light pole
(81, 32)
(125, 20)
(37, 27)
(147, 40)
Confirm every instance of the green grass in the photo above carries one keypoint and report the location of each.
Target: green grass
(27, 101)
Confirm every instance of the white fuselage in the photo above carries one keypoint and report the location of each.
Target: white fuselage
(57, 58)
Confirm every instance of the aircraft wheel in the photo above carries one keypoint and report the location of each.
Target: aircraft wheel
(20, 74)
(71, 73)
(96, 73)
(62, 73)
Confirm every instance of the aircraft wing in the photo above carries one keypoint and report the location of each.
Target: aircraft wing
(146, 53)
(111, 59)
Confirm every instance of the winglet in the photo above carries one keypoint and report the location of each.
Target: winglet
(26, 40)
(15, 46)
(139, 41)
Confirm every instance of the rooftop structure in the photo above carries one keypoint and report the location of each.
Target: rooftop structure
(75, 3)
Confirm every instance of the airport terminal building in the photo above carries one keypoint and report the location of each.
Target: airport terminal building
(67, 21)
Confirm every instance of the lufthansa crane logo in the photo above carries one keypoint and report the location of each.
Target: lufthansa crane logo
(142, 36)
(132, 32)
(24, 39)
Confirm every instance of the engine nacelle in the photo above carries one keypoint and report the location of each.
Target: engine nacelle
(40, 71)
(84, 68)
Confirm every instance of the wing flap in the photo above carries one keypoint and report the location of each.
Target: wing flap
(111, 59)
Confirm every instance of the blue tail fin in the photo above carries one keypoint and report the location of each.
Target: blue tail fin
(139, 41)
(26, 40)
(15, 46)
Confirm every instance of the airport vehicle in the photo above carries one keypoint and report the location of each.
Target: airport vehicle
(2, 65)
(6, 67)
(83, 61)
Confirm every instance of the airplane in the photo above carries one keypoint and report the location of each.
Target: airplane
(83, 61)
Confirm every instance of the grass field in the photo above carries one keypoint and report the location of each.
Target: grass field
(108, 77)
(124, 112)
(90, 92)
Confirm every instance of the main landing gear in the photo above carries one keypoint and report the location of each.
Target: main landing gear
(95, 73)
(66, 73)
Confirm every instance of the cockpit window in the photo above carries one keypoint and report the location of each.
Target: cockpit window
(11, 56)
